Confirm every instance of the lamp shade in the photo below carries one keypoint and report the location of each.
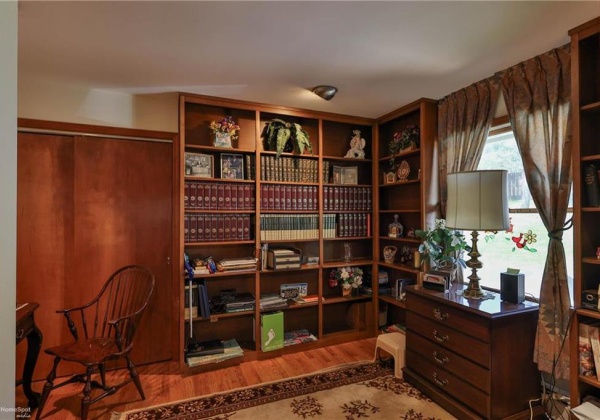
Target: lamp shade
(477, 200)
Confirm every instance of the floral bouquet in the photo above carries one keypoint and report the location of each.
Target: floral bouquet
(226, 126)
(404, 139)
(349, 277)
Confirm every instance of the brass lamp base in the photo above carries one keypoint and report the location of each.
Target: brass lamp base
(474, 290)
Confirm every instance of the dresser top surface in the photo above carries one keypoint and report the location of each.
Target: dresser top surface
(484, 307)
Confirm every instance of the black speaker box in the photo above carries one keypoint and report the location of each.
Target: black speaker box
(512, 287)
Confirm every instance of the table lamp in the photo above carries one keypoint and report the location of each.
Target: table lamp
(477, 200)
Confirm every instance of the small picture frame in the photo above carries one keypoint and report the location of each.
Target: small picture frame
(232, 166)
(345, 175)
(389, 178)
(199, 165)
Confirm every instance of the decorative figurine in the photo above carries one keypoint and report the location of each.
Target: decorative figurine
(395, 229)
(357, 144)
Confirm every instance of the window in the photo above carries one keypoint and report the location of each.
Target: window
(525, 244)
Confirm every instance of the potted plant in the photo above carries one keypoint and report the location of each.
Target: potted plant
(442, 247)
(281, 136)
(406, 139)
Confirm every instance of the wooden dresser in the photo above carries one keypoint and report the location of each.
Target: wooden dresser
(473, 357)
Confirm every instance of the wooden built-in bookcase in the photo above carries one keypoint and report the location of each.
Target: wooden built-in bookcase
(408, 199)
(332, 318)
(585, 111)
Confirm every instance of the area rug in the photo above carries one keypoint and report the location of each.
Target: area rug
(364, 390)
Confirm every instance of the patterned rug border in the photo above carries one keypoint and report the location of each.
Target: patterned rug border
(324, 379)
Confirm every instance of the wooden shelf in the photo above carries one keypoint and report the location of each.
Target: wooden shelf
(329, 135)
(413, 152)
(399, 266)
(585, 100)
(392, 301)
(396, 184)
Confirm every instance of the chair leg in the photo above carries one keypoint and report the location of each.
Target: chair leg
(87, 390)
(134, 375)
(47, 387)
(102, 370)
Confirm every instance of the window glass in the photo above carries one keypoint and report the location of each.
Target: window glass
(525, 244)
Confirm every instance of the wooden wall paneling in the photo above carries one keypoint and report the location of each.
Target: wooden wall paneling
(123, 209)
(44, 234)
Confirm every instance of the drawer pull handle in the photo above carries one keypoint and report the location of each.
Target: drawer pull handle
(437, 313)
(442, 338)
(443, 382)
(442, 360)
(20, 333)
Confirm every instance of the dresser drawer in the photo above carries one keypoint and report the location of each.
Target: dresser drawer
(454, 363)
(452, 317)
(469, 347)
(448, 383)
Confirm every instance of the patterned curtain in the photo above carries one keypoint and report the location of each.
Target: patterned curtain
(464, 120)
(537, 94)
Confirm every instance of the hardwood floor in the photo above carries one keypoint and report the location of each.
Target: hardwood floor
(163, 383)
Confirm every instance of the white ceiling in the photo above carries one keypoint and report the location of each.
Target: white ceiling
(380, 55)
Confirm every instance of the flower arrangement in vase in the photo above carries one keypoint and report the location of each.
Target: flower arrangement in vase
(225, 131)
(282, 136)
(349, 277)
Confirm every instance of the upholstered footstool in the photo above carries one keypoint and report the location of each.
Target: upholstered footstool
(395, 344)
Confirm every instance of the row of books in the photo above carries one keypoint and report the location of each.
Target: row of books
(237, 264)
(289, 226)
(218, 196)
(231, 350)
(589, 350)
(288, 197)
(346, 198)
(216, 227)
(349, 225)
(288, 169)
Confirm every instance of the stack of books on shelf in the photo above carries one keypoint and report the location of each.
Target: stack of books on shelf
(237, 264)
(241, 302)
(297, 337)
(216, 227)
(289, 226)
(272, 301)
(288, 197)
(301, 300)
(230, 350)
(346, 198)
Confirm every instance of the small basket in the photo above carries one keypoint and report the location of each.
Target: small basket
(389, 253)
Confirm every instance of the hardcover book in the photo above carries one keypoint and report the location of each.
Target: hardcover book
(592, 185)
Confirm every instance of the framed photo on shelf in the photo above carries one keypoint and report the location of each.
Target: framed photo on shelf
(199, 165)
(232, 166)
(345, 175)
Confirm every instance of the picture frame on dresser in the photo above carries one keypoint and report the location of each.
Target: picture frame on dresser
(232, 166)
(199, 165)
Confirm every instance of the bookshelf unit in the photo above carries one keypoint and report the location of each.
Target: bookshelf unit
(285, 207)
(407, 199)
(585, 111)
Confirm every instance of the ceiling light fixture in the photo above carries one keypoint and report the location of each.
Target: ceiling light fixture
(324, 91)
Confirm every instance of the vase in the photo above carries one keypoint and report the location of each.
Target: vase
(222, 140)
(347, 292)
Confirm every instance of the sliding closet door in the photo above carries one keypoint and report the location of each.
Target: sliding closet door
(87, 206)
(45, 231)
(123, 193)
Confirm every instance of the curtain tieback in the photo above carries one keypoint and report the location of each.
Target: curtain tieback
(553, 234)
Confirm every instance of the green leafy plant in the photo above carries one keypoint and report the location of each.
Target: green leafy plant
(442, 246)
(404, 139)
(277, 133)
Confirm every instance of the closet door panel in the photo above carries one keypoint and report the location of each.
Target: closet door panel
(123, 213)
(45, 230)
